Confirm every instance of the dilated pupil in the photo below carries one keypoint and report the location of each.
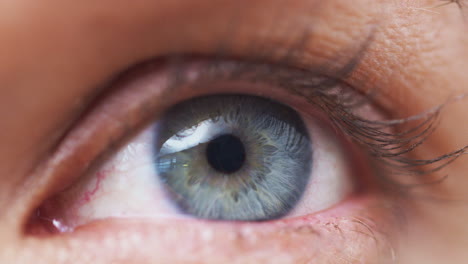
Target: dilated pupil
(226, 153)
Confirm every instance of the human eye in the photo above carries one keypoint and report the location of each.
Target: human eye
(234, 141)
(238, 156)
(262, 146)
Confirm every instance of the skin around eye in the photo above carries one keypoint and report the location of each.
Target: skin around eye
(132, 184)
(357, 215)
(54, 53)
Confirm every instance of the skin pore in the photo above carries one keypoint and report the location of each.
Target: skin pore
(57, 57)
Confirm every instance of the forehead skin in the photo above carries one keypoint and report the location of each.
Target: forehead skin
(56, 54)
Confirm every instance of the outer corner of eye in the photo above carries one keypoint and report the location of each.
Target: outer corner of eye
(218, 157)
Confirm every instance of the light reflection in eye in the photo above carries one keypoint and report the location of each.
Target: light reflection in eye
(127, 185)
(192, 137)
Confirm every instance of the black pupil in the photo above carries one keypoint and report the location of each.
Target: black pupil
(226, 153)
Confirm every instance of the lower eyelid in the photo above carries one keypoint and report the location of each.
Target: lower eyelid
(363, 236)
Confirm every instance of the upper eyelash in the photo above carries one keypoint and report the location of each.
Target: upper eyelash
(388, 149)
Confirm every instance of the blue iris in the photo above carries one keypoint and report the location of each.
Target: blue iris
(233, 157)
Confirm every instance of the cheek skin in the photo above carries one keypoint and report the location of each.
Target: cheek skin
(364, 236)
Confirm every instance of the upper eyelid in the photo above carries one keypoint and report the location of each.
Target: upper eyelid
(100, 90)
(271, 51)
(279, 53)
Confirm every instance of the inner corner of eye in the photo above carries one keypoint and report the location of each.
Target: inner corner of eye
(219, 157)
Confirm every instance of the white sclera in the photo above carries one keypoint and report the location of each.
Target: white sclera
(127, 184)
(331, 178)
